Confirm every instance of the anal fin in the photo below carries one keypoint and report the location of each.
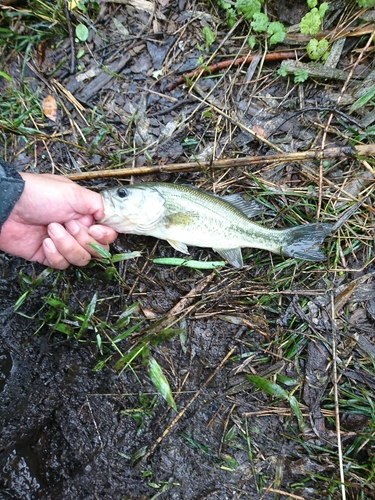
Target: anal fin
(232, 255)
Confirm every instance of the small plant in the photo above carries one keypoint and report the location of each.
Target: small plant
(250, 10)
(300, 75)
(310, 25)
(365, 4)
(245, 8)
(145, 409)
(278, 392)
(209, 40)
(311, 22)
(208, 36)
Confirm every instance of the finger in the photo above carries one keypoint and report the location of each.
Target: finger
(52, 257)
(68, 246)
(80, 233)
(102, 234)
(86, 220)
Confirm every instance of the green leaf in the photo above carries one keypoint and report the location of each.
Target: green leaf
(7, 77)
(99, 343)
(317, 48)
(282, 71)
(231, 18)
(127, 332)
(251, 41)
(56, 303)
(224, 5)
(104, 253)
(125, 256)
(230, 463)
(125, 316)
(208, 36)
(312, 3)
(130, 356)
(310, 23)
(41, 277)
(283, 379)
(300, 76)
(363, 99)
(260, 22)
(366, 3)
(200, 58)
(278, 32)
(160, 382)
(268, 387)
(297, 412)
(195, 264)
(21, 300)
(248, 7)
(323, 9)
(90, 309)
(139, 454)
(82, 32)
(80, 53)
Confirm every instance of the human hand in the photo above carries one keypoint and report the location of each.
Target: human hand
(53, 222)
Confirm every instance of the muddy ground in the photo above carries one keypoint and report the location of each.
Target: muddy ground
(71, 431)
(68, 432)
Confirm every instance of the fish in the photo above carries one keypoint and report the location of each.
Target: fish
(187, 216)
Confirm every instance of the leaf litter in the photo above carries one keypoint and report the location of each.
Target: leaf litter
(75, 422)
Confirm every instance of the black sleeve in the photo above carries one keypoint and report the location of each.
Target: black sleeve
(11, 187)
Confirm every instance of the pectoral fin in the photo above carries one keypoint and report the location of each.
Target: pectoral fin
(232, 255)
(177, 245)
(181, 219)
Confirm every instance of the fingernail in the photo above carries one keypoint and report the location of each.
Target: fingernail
(55, 230)
(49, 245)
(72, 227)
(96, 232)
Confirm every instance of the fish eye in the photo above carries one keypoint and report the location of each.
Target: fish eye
(122, 192)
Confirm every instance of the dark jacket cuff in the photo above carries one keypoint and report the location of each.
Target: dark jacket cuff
(11, 187)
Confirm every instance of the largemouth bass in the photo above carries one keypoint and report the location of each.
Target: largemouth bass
(187, 216)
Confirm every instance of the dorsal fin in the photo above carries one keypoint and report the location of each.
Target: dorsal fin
(250, 208)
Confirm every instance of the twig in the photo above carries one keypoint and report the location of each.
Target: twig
(196, 166)
(71, 38)
(336, 398)
(281, 492)
(213, 68)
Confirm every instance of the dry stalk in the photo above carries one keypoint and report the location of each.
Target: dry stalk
(336, 399)
(195, 166)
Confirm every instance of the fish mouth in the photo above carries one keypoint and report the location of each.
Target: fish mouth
(107, 203)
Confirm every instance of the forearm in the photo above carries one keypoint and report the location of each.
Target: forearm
(11, 188)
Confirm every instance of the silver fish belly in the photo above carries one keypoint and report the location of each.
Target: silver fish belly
(187, 216)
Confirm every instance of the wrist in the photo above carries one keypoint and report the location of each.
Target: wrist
(11, 188)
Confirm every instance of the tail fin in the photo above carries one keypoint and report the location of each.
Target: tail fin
(303, 242)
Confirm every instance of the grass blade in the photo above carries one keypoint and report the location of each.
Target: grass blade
(160, 382)
(268, 387)
(195, 264)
